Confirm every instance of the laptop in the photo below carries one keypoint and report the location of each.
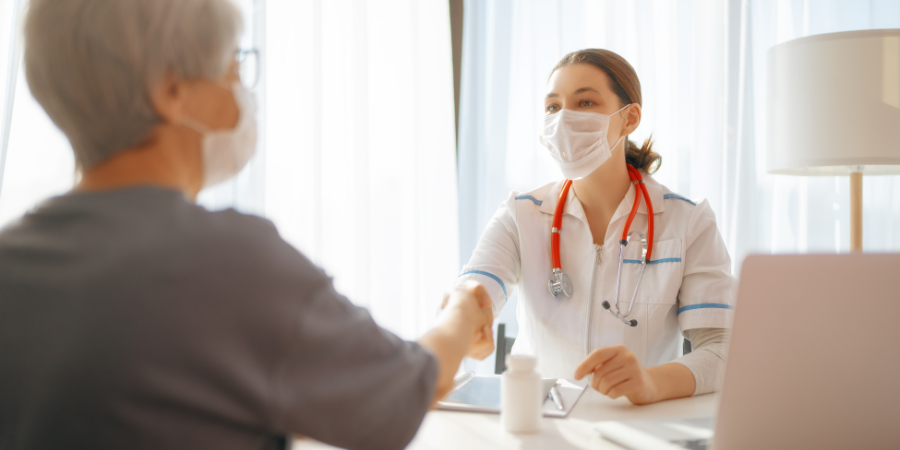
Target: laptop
(814, 361)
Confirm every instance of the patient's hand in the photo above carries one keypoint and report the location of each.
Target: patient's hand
(460, 331)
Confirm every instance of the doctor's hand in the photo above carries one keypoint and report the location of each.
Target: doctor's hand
(617, 373)
(482, 344)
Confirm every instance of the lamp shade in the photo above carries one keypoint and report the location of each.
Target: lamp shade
(834, 102)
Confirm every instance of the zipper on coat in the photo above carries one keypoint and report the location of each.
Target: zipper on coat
(590, 305)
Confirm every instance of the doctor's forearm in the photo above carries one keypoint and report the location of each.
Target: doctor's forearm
(707, 361)
(672, 380)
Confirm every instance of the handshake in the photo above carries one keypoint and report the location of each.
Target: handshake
(473, 302)
(463, 329)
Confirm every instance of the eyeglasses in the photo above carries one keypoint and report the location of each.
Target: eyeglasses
(248, 67)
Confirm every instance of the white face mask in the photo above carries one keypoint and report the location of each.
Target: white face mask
(226, 152)
(577, 141)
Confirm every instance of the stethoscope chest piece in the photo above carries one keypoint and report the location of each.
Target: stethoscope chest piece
(560, 283)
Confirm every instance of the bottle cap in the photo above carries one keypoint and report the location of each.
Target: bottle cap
(521, 362)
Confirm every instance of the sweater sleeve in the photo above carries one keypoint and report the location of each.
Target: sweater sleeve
(707, 360)
(339, 372)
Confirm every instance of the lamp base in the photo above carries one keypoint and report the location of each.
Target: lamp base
(856, 209)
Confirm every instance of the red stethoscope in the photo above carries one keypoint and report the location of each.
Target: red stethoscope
(560, 282)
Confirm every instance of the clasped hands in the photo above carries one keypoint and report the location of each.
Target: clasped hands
(473, 302)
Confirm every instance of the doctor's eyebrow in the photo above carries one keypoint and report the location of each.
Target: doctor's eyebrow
(584, 89)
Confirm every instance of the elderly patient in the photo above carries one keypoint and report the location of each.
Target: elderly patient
(131, 318)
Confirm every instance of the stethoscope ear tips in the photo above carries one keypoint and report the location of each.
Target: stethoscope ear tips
(631, 322)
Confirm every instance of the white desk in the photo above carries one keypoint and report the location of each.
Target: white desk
(472, 431)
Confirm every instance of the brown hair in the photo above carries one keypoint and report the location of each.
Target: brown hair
(625, 84)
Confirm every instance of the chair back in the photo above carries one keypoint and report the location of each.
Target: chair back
(504, 347)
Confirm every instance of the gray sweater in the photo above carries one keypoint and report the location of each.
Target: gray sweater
(136, 319)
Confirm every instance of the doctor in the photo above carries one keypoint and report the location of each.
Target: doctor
(589, 305)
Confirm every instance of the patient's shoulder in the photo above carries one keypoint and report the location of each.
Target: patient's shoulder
(256, 242)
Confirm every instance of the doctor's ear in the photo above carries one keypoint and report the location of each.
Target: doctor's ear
(632, 116)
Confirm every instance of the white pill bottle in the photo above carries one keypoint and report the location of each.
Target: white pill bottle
(520, 395)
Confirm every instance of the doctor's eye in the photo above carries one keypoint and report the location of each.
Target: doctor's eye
(550, 109)
(586, 103)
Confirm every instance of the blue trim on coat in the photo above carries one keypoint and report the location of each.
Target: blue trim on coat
(655, 261)
(489, 275)
(679, 198)
(704, 305)
(528, 197)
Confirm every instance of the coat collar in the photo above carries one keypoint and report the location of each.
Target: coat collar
(573, 205)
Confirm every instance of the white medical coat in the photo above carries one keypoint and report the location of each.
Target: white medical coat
(688, 283)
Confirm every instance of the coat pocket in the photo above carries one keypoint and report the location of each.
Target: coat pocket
(661, 278)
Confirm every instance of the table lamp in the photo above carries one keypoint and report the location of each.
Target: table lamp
(834, 109)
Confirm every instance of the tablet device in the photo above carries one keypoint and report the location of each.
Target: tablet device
(482, 394)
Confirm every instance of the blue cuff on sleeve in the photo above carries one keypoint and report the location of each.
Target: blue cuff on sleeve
(489, 275)
(704, 305)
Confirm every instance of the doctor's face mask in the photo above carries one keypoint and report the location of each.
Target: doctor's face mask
(577, 140)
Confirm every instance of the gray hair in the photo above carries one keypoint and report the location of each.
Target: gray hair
(91, 63)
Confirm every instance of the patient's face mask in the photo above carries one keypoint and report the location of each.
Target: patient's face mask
(226, 152)
(577, 140)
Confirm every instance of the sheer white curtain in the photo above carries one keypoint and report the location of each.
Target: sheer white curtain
(360, 148)
(35, 158)
(356, 158)
(702, 66)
